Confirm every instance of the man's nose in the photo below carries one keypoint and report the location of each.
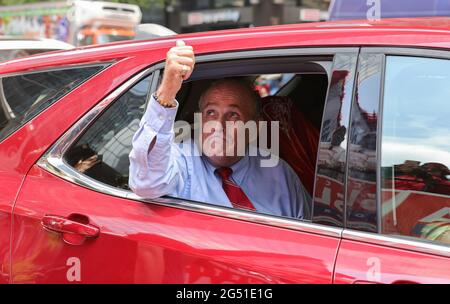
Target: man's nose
(222, 120)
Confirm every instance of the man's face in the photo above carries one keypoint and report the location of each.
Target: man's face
(227, 102)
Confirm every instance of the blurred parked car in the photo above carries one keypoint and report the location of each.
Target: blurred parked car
(363, 120)
(14, 47)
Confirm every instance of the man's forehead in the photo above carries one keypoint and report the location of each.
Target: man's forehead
(223, 103)
(227, 89)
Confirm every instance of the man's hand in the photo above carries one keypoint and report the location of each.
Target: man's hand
(84, 165)
(180, 62)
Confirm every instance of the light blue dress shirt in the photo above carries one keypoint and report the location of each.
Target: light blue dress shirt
(169, 169)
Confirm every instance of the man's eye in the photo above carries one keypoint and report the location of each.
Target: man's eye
(234, 115)
(210, 112)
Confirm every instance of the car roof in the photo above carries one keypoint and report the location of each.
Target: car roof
(433, 32)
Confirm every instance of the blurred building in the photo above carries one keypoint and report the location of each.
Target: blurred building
(184, 16)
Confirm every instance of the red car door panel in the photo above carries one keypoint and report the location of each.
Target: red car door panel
(9, 186)
(143, 242)
(363, 262)
(397, 232)
(21, 150)
(11, 180)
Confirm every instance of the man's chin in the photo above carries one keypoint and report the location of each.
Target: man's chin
(223, 161)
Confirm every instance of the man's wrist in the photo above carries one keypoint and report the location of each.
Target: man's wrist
(164, 101)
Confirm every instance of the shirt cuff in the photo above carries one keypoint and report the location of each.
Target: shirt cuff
(159, 118)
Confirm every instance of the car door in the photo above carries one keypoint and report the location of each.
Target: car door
(22, 96)
(397, 219)
(74, 222)
(11, 181)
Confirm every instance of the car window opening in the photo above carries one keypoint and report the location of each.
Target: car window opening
(292, 91)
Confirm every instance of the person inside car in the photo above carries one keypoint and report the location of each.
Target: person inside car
(159, 166)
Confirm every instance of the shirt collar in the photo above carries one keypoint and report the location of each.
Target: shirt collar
(239, 169)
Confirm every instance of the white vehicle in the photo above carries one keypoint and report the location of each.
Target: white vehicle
(13, 47)
(78, 22)
(152, 30)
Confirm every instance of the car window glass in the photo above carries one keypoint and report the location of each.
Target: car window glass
(361, 207)
(329, 189)
(102, 151)
(415, 155)
(24, 96)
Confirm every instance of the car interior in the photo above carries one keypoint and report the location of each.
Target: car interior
(297, 102)
(292, 90)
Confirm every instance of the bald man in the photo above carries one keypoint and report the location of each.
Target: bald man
(217, 173)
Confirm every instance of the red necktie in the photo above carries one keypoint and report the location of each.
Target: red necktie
(235, 194)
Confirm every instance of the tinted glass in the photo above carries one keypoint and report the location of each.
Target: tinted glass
(415, 156)
(102, 151)
(361, 182)
(329, 190)
(24, 96)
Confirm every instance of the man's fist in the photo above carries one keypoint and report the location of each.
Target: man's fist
(180, 61)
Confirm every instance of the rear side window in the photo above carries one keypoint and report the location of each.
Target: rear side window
(102, 151)
(24, 96)
(415, 154)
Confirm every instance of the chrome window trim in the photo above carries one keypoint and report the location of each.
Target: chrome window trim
(379, 143)
(58, 167)
(279, 52)
(398, 242)
(408, 51)
(53, 162)
(348, 134)
(63, 144)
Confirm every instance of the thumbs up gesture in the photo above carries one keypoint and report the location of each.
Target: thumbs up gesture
(180, 61)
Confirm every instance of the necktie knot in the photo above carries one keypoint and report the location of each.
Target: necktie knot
(235, 194)
(224, 173)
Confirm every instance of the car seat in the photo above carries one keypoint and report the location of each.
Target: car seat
(298, 137)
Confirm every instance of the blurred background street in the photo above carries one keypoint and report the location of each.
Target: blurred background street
(81, 22)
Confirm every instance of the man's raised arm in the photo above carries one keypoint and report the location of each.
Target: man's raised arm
(157, 165)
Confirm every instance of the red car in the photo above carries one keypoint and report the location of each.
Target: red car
(364, 122)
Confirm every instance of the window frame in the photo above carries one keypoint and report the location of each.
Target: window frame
(53, 161)
(396, 241)
(349, 162)
(104, 65)
(347, 134)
